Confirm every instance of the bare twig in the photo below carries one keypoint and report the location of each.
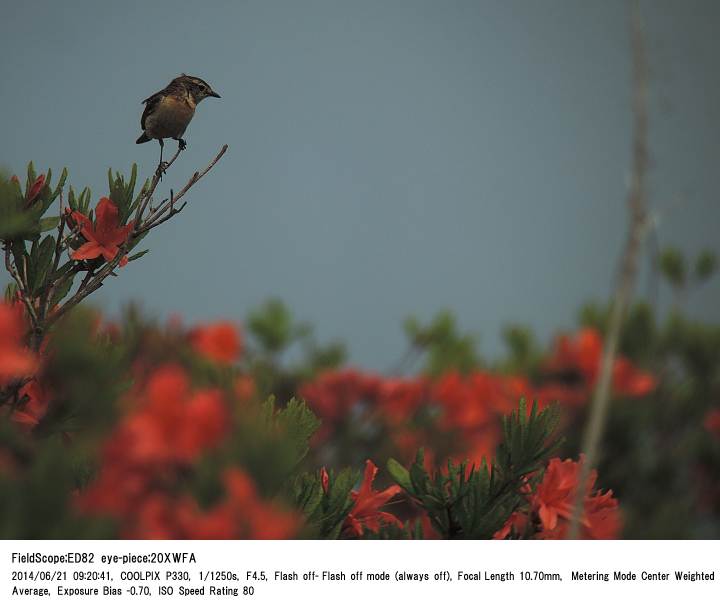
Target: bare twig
(637, 223)
(173, 211)
(197, 176)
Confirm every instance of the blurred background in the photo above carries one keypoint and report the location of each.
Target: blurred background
(386, 158)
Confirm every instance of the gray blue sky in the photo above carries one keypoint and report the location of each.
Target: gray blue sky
(386, 157)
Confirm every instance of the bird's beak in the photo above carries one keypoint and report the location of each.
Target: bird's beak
(213, 94)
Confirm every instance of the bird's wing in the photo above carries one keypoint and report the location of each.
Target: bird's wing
(150, 105)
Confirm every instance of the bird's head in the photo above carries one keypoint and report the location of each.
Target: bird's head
(196, 87)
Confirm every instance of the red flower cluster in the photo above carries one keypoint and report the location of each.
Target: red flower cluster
(554, 500)
(105, 236)
(466, 407)
(148, 457)
(241, 515)
(172, 423)
(334, 393)
(577, 359)
(398, 398)
(473, 405)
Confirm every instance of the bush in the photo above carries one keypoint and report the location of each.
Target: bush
(133, 429)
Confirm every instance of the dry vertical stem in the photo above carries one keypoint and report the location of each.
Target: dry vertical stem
(637, 222)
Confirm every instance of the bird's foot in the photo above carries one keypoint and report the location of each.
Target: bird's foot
(161, 168)
(182, 144)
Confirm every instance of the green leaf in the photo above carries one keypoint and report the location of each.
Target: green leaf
(41, 264)
(337, 502)
(72, 201)
(673, 267)
(400, 475)
(299, 424)
(14, 222)
(49, 223)
(61, 290)
(705, 265)
(133, 180)
(138, 255)
(14, 225)
(308, 493)
(31, 177)
(60, 184)
(19, 251)
(272, 325)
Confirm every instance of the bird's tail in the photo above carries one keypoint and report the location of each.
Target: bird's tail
(142, 139)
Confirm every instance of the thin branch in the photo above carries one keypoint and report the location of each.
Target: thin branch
(637, 223)
(196, 177)
(91, 282)
(48, 294)
(173, 211)
(86, 288)
(147, 196)
(15, 274)
(70, 236)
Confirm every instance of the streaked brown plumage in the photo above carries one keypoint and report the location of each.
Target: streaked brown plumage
(168, 112)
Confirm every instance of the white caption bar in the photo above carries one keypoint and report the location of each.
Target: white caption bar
(358, 573)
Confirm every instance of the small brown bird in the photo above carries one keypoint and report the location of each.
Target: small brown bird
(168, 112)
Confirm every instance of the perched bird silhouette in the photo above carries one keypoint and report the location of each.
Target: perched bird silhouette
(168, 112)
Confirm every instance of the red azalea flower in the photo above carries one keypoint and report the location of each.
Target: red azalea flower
(167, 427)
(555, 494)
(172, 423)
(105, 237)
(220, 342)
(324, 479)
(399, 398)
(578, 359)
(481, 444)
(32, 411)
(554, 501)
(16, 360)
(428, 530)
(472, 401)
(516, 523)
(472, 405)
(466, 402)
(242, 514)
(603, 516)
(628, 380)
(245, 388)
(256, 518)
(365, 513)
